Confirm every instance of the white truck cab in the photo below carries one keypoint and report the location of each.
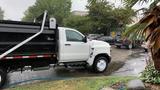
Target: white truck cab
(75, 47)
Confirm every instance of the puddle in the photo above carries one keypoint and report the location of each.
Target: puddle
(132, 67)
(28, 77)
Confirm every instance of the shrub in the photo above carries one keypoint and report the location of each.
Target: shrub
(150, 75)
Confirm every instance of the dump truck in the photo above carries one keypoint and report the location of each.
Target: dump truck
(42, 43)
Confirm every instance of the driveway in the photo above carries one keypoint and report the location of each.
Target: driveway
(132, 67)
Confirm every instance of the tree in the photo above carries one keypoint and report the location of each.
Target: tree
(149, 27)
(100, 13)
(59, 9)
(1, 14)
(105, 17)
(124, 15)
(81, 23)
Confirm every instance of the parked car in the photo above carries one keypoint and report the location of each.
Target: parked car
(94, 36)
(128, 43)
(108, 39)
(124, 42)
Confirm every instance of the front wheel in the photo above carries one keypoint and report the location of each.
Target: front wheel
(100, 64)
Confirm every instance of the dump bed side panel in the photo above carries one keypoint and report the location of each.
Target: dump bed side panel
(12, 33)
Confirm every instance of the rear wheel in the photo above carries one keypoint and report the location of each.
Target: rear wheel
(100, 64)
(130, 46)
(118, 46)
(3, 77)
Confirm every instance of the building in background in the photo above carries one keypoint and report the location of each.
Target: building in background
(80, 13)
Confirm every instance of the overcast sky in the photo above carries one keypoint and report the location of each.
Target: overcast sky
(14, 9)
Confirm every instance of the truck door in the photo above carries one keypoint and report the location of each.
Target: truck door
(74, 48)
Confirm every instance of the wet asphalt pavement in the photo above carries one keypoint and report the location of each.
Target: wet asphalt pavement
(133, 66)
(60, 73)
(26, 77)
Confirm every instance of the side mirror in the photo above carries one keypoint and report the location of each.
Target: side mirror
(52, 23)
(85, 39)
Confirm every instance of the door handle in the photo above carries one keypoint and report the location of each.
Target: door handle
(67, 44)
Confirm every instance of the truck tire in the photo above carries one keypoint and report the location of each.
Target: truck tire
(118, 46)
(100, 64)
(3, 77)
(130, 46)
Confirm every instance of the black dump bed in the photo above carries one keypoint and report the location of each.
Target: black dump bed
(14, 32)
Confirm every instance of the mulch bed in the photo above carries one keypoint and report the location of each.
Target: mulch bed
(152, 86)
(119, 86)
(122, 86)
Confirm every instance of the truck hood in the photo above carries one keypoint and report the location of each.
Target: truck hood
(96, 43)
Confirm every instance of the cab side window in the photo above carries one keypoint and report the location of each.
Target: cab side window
(73, 36)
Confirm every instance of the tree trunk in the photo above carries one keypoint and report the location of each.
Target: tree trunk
(156, 60)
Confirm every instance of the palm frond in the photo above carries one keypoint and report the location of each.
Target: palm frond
(150, 27)
(135, 31)
(131, 3)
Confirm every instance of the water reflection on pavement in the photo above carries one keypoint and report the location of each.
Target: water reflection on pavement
(132, 67)
(27, 77)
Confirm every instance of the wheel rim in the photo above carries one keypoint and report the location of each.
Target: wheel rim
(130, 46)
(0, 78)
(101, 65)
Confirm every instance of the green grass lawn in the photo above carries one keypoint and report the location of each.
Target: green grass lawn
(88, 83)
